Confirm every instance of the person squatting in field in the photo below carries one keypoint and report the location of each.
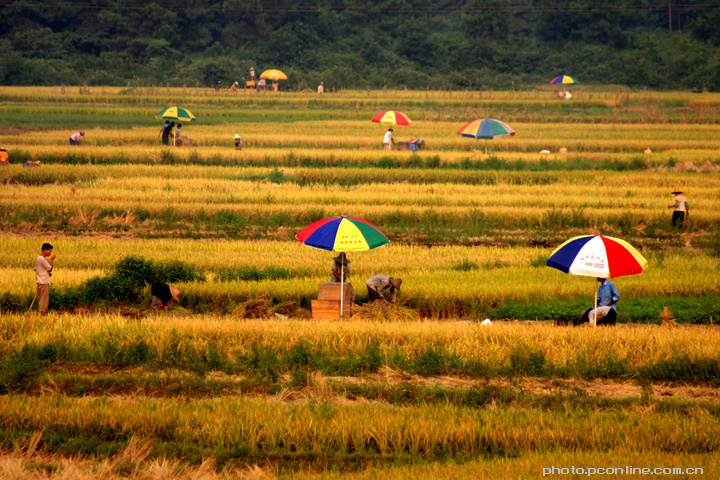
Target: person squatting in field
(43, 267)
(606, 312)
(681, 209)
(380, 283)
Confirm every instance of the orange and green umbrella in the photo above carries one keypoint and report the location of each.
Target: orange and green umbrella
(176, 113)
(391, 117)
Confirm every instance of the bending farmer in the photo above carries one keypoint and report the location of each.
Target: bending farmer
(163, 295)
(381, 283)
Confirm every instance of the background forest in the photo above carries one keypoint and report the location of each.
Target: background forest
(362, 44)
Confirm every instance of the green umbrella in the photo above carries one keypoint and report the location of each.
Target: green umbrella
(176, 113)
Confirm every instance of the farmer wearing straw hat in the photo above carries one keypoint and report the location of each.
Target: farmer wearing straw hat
(380, 283)
(340, 269)
(238, 142)
(163, 295)
(680, 209)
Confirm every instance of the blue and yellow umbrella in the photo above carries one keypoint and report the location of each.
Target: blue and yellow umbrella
(342, 234)
(563, 79)
(176, 113)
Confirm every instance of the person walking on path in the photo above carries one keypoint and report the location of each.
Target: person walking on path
(75, 138)
(381, 283)
(388, 140)
(681, 209)
(43, 267)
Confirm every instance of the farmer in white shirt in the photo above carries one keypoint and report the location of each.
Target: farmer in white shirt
(388, 140)
(381, 283)
(42, 277)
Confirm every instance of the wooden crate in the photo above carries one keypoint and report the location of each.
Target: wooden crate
(331, 291)
(329, 309)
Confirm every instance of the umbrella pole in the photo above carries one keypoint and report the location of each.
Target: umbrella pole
(342, 287)
(595, 309)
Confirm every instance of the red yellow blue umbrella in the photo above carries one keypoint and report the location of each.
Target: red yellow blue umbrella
(342, 234)
(563, 79)
(391, 117)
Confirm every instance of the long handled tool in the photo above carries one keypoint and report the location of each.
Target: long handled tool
(33, 302)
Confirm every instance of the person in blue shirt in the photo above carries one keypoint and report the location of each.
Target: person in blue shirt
(607, 295)
(606, 313)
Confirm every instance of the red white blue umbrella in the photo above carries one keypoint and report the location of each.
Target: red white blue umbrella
(597, 256)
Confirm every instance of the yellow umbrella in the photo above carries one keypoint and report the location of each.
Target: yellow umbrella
(273, 75)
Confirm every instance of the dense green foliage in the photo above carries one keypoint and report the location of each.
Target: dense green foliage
(354, 43)
(129, 276)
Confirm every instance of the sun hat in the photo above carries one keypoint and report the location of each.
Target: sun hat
(413, 140)
(396, 282)
(676, 191)
(175, 293)
(341, 258)
(237, 136)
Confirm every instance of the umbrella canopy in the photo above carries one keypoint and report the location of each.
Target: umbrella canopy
(273, 75)
(597, 256)
(563, 79)
(176, 113)
(391, 117)
(342, 234)
(487, 129)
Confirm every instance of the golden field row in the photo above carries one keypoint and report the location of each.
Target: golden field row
(349, 134)
(430, 275)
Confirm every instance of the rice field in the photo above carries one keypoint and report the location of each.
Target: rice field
(237, 382)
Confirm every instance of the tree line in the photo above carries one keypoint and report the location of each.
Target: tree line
(362, 44)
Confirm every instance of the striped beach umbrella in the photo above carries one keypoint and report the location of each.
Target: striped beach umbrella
(342, 234)
(597, 256)
(486, 129)
(563, 79)
(391, 117)
(176, 113)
